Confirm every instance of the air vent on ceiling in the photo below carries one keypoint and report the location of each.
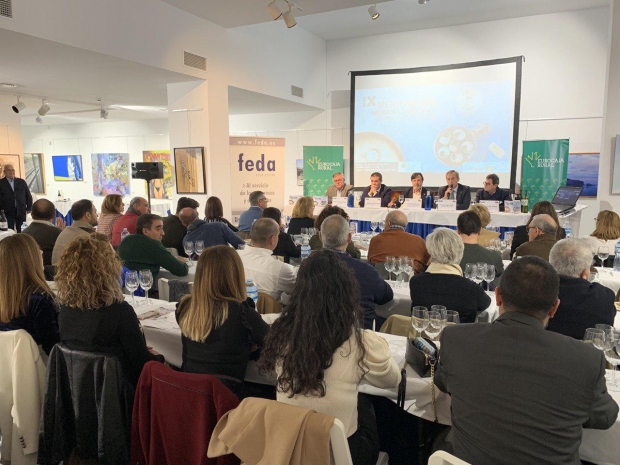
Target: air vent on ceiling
(297, 91)
(193, 61)
(6, 8)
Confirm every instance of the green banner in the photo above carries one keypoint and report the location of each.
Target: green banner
(543, 168)
(320, 163)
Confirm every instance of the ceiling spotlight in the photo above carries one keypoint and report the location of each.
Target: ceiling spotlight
(19, 106)
(273, 10)
(103, 113)
(39, 120)
(8, 85)
(289, 18)
(44, 108)
(423, 2)
(372, 11)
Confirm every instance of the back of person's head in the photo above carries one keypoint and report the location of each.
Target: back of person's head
(112, 203)
(329, 211)
(186, 202)
(529, 285)
(483, 213)
(545, 223)
(254, 197)
(214, 209)
(43, 210)
(445, 246)
(21, 274)
(88, 273)
(187, 215)
(324, 312)
(571, 257)
(303, 207)
(334, 232)
(146, 221)
(468, 223)
(262, 230)
(219, 279)
(397, 218)
(273, 213)
(543, 207)
(135, 201)
(80, 208)
(607, 225)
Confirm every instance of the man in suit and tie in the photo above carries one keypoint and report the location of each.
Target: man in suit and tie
(339, 188)
(521, 394)
(455, 191)
(15, 198)
(377, 190)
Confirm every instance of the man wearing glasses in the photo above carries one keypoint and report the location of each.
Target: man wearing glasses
(492, 191)
(542, 237)
(258, 202)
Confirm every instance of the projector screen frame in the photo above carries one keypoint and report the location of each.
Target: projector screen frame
(518, 60)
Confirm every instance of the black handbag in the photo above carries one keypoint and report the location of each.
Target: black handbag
(419, 360)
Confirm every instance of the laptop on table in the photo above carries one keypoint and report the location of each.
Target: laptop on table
(566, 198)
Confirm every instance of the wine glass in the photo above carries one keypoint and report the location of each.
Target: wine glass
(410, 268)
(470, 271)
(596, 337)
(404, 266)
(603, 253)
(489, 275)
(389, 267)
(451, 317)
(401, 199)
(146, 282)
(200, 246)
(419, 319)
(398, 269)
(304, 233)
(353, 227)
(131, 284)
(188, 246)
(612, 345)
(373, 225)
(435, 324)
(436, 200)
(481, 270)
(382, 225)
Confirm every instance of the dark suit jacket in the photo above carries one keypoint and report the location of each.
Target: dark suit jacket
(409, 193)
(521, 237)
(385, 193)
(21, 196)
(521, 394)
(500, 194)
(582, 305)
(45, 235)
(540, 247)
(463, 196)
(174, 232)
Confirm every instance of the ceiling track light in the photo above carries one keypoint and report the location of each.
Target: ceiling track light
(274, 10)
(103, 113)
(423, 2)
(372, 11)
(289, 18)
(44, 108)
(19, 106)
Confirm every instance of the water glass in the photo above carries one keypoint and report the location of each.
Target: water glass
(353, 227)
(146, 282)
(419, 319)
(131, 284)
(401, 199)
(603, 254)
(489, 275)
(382, 225)
(481, 271)
(596, 337)
(200, 246)
(451, 317)
(390, 266)
(470, 271)
(436, 323)
(373, 225)
(188, 246)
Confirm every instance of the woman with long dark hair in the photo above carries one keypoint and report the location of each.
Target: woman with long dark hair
(286, 247)
(321, 353)
(541, 208)
(214, 213)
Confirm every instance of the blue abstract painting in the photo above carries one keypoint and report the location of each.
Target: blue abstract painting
(67, 167)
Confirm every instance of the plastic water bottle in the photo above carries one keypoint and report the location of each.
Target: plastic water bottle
(251, 290)
(305, 249)
(124, 234)
(568, 229)
(428, 202)
(351, 200)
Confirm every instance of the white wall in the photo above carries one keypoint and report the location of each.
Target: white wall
(10, 132)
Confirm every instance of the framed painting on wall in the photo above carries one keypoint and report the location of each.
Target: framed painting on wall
(67, 168)
(583, 172)
(189, 170)
(300, 172)
(110, 174)
(35, 172)
(10, 160)
(161, 188)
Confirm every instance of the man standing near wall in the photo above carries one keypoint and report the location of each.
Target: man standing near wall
(15, 198)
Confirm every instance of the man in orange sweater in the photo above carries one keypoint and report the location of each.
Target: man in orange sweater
(395, 242)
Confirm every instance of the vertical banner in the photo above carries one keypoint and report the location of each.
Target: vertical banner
(543, 169)
(257, 164)
(320, 163)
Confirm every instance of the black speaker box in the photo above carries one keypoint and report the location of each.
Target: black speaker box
(147, 170)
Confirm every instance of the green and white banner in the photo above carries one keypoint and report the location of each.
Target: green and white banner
(320, 163)
(543, 168)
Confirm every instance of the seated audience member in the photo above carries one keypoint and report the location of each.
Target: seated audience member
(94, 316)
(271, 276)
(303, 215)
(521, 235)
(542, 232)
(144, 250)
(416, 191)
(258, 202)
(468, 226)
(377, 190)
(321, 354)
(26, 301)
(85, 219)
(454, 190)
(174, 229)
(582, 304)
(339, 188)
(492, 191)
(42, 230)
(336, 235)
(219, 324)
(443, 283)
(137, 206)
(214, 213)
(112, 209)
(286, 248)
(210, 233)
(485, 236)
(395, 242)
(545, 387)
(315, 241)
(605, 235)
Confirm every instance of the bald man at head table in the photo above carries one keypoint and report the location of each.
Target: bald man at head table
(15, 198)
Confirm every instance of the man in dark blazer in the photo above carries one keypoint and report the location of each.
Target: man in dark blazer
(377, 190)
(416, 190)
(521, 394)
(15, 198)
(42, 230)
(492, 191)
(455, 190)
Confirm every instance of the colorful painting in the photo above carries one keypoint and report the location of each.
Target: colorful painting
(110, 174)
(189, 170)
(161, 188)
(67, 167)
(10, 160)
(583, 172)
(35, 172)
(300, 172)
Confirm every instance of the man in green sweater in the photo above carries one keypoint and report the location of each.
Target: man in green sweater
(144, 250)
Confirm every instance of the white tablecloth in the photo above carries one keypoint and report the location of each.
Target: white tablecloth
(7, 233)
(63, 206)
(609, 278)
(161, 209)
(189, 277)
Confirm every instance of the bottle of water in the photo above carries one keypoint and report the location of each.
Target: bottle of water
(568, 229)
(4, 224)
(305, 249)
(251, 290)
(351, 200)
(124, 234)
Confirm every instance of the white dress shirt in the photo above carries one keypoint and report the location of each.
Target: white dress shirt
(270, 275)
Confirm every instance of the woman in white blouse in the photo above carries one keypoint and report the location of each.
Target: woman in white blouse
(605, 235)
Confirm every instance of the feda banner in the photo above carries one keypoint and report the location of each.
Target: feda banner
(320, 163)
(543, 168)
(257, 164)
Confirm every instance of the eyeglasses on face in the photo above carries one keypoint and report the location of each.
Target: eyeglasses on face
(529, 228)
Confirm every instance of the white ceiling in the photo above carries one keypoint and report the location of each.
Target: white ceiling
(245, 102)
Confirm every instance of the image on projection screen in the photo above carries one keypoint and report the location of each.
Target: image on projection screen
(432, 121)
